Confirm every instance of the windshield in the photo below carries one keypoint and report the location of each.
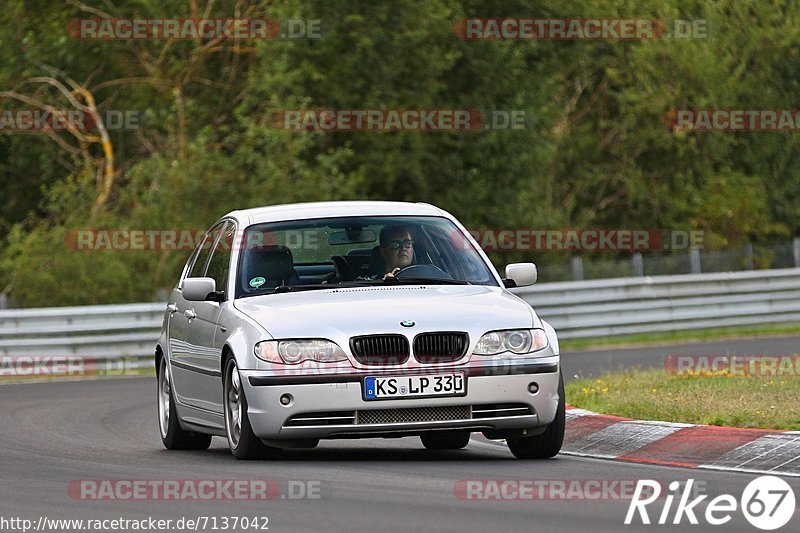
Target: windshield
(351, 251)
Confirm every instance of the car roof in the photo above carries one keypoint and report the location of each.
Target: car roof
(308, 210)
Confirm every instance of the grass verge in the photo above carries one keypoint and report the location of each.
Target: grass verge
(672, 337)
(719, 400)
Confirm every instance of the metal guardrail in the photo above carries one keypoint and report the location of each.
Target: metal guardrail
(101, 332)
(609, 307)
(686, 256)
(576, 309)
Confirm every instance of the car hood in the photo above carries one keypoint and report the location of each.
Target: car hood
(338, 314)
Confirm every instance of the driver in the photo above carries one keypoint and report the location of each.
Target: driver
(397, 249)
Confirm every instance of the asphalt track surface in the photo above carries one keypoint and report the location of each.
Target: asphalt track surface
(55, 433)
(594, 362)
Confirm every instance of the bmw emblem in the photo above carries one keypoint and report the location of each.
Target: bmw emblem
(407, 323)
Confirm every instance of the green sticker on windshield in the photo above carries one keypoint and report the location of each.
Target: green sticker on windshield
(257, 282)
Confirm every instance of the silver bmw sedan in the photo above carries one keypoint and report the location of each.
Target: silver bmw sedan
(295, 323)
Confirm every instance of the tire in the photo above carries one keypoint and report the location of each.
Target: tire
(445, 440)
(546, 444)
(241, 439)
(172, 436)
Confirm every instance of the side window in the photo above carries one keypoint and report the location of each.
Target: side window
(198, 268)
(221, 258)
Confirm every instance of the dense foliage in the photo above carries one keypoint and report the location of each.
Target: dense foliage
(595, 153)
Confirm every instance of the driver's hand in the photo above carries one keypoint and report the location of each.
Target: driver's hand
(391, 274)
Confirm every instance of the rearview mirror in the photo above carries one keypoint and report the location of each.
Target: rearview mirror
(352, 236)
(198, 289)
(521, 274)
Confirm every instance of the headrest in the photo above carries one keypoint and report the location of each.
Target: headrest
(272, 262)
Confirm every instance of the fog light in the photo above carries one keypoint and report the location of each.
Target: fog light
(533, 387)
(286, 399)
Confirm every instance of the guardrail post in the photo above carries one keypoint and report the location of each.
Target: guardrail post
(694, 260)
(797, 251)
(638, 265)
(577, 268)
(748, 256)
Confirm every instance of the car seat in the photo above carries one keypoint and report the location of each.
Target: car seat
(274, 263)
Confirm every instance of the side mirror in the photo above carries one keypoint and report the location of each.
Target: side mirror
(198, 289)
(520, 274)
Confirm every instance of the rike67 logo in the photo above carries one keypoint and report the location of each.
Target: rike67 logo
(767, 502)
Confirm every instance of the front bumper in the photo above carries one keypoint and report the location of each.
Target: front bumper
(332, 406)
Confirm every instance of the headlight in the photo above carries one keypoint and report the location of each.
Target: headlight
(296, 351)
(517, 341)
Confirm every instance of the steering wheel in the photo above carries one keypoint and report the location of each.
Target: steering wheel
(422, 271)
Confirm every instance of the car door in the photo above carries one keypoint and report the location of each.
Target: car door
(190, 337)
(211, 330)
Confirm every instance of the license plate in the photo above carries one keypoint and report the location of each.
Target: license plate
(379, 388)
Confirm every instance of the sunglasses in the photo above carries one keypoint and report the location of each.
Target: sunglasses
(396, 245)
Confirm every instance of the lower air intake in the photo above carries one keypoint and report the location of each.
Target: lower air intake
(413, 414)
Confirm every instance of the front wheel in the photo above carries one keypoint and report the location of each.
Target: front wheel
(241, 439)
(172, 435)
(546, 444)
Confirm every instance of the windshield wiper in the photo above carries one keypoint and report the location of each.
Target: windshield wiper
(288, 288)
(378, 282)
(442, 281)
(356, 283)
